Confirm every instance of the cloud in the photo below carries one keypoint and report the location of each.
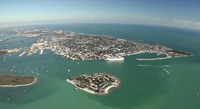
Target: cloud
(175, 20)
(198, 23)
(164, 22)
(187, 23)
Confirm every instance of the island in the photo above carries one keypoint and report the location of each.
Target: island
(97, 84)
(16, 81)
(79, 46)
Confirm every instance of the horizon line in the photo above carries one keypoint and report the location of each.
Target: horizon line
(15, 24)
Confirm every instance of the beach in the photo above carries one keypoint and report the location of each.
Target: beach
(21, 85)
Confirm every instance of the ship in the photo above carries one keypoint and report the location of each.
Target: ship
(114, 59)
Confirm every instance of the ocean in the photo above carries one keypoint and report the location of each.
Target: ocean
(162, 84)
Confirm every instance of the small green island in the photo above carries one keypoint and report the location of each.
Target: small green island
(97, 84)
(16, 81)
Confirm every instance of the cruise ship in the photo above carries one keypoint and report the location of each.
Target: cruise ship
(114, 59)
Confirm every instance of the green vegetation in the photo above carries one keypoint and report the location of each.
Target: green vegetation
(16, 80)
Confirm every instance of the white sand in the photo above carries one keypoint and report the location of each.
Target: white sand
(19, 85)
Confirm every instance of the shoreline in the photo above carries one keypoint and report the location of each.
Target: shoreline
(131, 54)
(22, 85)
(100, 47)
(86, 90)
(106, 91)
(110, 87)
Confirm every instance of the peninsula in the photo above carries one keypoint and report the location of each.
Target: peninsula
(78, 46)
(15, 81)
(98, 83)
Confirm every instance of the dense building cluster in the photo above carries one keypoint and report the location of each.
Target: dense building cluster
(98, 83)
(89, 47)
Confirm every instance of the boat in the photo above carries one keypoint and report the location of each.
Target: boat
(76, 88)
(114, 59)
(68, 70)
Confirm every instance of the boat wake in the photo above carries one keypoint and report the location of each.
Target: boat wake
(161, 66)
(151, 59)
(166, 71)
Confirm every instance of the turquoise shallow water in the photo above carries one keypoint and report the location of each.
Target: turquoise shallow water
(142, 87)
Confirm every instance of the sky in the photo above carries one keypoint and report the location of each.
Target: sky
(176, 13)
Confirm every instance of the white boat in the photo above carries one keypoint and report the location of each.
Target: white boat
(22, 54)
(41, 51)
(114, 59)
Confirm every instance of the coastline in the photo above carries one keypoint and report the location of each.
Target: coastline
(101, 47)
(106, 91)
(22, 85)
(86, 90)
(110, 87)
